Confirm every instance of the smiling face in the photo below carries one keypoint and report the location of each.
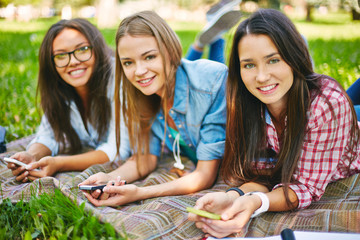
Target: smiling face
(76, 73)
(265, 74)
(142, 63)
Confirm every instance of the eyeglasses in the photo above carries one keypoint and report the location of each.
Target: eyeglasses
(82, 54)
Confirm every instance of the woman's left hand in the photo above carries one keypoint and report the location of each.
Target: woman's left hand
(116, 195)
(46, 166)
(234, 217)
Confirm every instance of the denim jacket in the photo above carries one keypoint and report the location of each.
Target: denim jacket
(199, 110)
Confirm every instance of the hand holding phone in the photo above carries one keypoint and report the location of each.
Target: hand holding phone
(17, 162)
(203, 213)
(95, 186)
(92, 187)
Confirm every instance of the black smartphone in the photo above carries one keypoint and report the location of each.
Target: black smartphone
(92, 187)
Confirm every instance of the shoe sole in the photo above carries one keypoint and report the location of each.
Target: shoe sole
(228, 6)
(223, 24)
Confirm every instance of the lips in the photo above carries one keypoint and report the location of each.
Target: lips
(77, 72)
(268, 89)
(146, 82)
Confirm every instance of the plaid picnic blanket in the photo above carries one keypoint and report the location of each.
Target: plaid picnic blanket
(166, 218)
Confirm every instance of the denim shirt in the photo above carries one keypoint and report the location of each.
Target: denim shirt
(89, 137)
(199, 110)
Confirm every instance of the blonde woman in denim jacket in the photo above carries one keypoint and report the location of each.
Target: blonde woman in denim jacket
(171, 104)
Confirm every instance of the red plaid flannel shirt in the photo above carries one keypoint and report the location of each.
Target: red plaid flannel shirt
(325, 154)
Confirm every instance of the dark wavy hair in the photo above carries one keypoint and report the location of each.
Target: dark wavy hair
(246, 127)
(56, 95)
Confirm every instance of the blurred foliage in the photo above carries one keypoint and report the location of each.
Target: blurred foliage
(4, 3)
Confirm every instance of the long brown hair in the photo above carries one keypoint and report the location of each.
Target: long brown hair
(246, 127)
(139, 109)
(56, 95)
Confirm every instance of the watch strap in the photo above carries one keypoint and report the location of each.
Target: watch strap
(238, 190)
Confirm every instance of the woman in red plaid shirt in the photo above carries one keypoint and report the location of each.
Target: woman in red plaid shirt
(289, 133)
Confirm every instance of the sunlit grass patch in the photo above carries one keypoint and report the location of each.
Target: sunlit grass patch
(51, 216)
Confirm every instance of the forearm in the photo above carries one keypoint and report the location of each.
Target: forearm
(38, 151)
(248, 187)
(202, 178)
(278, 201)
(129, 170)
(80, 162)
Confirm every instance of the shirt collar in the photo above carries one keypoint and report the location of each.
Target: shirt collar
(267, 116)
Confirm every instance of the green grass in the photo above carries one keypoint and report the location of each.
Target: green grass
(51, 216)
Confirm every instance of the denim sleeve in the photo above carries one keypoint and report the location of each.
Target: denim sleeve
(155, 145)
(45, 136)
(212, 132)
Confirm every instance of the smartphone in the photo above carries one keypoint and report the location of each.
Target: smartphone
(17, 162)
(92, 187)
(95, 186)
(203, 213)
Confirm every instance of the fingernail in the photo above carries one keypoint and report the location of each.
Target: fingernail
(224, 217)
(105, 189)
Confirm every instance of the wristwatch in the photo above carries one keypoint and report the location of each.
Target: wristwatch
(238, 190)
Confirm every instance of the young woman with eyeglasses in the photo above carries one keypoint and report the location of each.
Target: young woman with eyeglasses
(75, 85)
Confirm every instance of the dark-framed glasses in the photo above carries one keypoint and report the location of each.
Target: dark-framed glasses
(82, 54)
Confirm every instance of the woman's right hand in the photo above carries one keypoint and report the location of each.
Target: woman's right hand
(216, 202)
(20, 172)
(98, 178)
(235, 213)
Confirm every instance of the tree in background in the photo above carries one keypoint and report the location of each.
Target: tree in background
(4, 3)
(355, 8)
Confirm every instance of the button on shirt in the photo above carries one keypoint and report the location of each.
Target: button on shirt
(199, 110)
(325, 154)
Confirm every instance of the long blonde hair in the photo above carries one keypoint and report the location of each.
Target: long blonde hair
(138, 109)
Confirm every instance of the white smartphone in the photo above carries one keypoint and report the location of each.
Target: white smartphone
(17, 162)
